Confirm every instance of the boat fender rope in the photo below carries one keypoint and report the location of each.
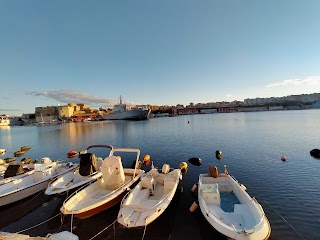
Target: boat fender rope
(144, 231)
(103, 230)
(38, 224)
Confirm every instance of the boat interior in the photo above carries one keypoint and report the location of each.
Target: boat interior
(228, 202)
(99, 191)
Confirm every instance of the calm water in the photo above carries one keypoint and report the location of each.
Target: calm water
(251, 143)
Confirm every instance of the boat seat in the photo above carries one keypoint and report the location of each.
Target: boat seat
(215, 209)
(233, 219)
(143, 194)
(246, 212)
(169, 183)
(143, 206)
(210, 193)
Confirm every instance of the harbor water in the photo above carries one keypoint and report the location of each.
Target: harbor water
(252, 145)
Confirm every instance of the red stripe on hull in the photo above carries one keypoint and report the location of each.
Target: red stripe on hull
(101, 208)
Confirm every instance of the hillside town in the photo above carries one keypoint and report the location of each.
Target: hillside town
(81, 112)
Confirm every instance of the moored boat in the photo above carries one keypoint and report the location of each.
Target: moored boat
(107, 190)
(122, 111)
(227, 206)
(88, 171)
(4, 120)
(149, 198)
(24, 185)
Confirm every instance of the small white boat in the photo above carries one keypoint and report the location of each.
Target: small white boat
(150, 197)
(88, 171)
(227, 206)
(106, 191)
(14, 170)
(31, 183)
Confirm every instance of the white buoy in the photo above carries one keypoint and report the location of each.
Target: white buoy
(194, 187)
(193, 206)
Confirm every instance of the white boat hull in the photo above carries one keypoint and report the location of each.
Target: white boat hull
(246, 221)
(23, 187)
(149, 199)
(69, 181)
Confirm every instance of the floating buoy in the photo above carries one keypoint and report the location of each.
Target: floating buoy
(18, 153)
(213, 171)
(184, 167)
(315, 153)
(195, 161)
(283, 158)
(9, 160)
(25, 148)
(194, 206)
(218, 154)
(72, 154)
(146, 160)
(194, 187)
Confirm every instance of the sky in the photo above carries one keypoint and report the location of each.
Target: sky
(164, 52)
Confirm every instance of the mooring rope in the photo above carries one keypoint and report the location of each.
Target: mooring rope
(276, 212)
(144, 231)
(103, 230)
(33, 197)
(39, 224)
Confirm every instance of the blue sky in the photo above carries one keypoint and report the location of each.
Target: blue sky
(164, 52)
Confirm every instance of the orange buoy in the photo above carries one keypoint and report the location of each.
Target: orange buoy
(146, 160)
(72, 154)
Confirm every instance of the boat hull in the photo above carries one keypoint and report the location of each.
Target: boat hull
(100, 208)
(19, 188)
(26, 192)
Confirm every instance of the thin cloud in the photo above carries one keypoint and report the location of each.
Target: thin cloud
(313, 80)
(69, 96)
(9, 110)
